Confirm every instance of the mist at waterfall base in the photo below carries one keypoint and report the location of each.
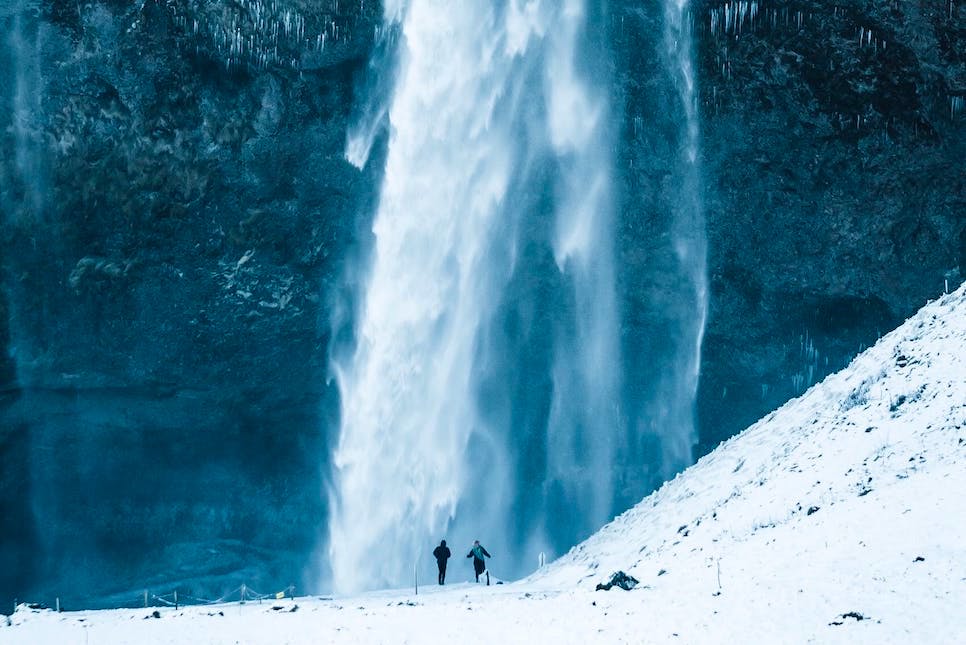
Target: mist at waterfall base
(488, 391)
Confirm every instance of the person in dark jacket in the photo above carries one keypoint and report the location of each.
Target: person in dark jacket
(442, 554)
(478, 553)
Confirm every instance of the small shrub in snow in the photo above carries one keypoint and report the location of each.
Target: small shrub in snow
(858, 396)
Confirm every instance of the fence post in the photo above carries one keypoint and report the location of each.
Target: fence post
(717, 564)
(58, 604)
(175, 598)
(145, 598)
(416, 575)
(242, 594)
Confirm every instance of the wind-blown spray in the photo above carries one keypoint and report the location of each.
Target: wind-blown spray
(23, 40)
(690, 246)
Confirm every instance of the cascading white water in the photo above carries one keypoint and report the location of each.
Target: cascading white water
(690, 243)
(483, 90)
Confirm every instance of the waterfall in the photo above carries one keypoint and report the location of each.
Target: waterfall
(492, 116)
(690, 245)
(482, 397)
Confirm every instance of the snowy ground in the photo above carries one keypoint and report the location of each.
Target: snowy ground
(838, 518)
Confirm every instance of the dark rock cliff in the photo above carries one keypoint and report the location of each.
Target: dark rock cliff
(177, 212)
(175, 205)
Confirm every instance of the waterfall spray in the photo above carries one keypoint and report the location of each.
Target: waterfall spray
(24, 42)
(584, 426)
(690, 243)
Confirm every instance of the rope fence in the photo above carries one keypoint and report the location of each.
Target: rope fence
(176, 600)
(241, 594)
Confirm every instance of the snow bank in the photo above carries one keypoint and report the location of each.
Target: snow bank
(838, 518)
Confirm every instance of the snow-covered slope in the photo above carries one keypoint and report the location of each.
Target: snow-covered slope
(838, 518)
(849, 499)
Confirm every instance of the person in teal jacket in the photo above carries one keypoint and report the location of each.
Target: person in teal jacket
(478, 553)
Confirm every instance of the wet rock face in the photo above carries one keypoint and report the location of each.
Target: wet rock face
(830, 140)
(175, 203)
(833, 135)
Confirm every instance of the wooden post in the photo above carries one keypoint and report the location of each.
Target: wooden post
(145, 597)
(416, 576)
(58, 604)
(717, 564)
(175, 598)
(242, 594)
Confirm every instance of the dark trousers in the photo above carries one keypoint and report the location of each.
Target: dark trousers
(442, 570)
(479, 567)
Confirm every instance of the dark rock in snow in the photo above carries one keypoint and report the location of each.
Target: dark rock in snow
(619, 579)
(853, 615)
